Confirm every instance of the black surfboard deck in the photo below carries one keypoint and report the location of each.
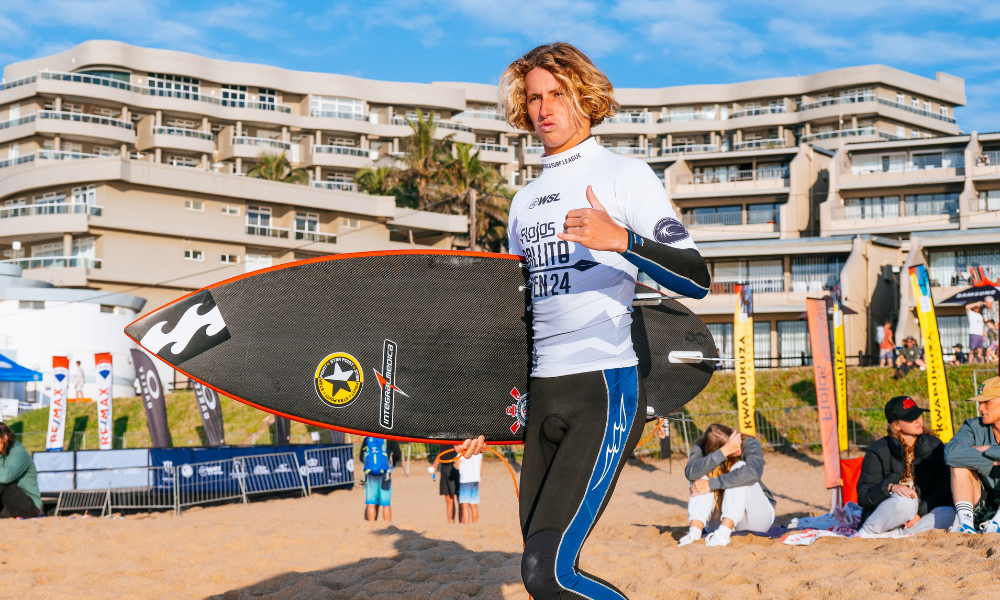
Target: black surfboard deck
(417, 345)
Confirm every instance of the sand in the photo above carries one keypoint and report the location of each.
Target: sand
(320, 547)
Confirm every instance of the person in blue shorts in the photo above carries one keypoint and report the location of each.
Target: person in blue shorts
(379, 457)
(470, 473)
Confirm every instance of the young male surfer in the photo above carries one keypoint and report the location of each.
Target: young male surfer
(585, 227)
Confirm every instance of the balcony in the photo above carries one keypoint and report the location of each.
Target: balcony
(340, 186)
(17, 82)
(756, 223)
(760, 144)
(493, 153)
(630, 150)
(26, 222)
(983, 211)
(155, 91)
(843, 133)
(987, 165)
(315, 236)
(347, 116)
(490, 115)
(917, 111)
(397, 120)
(337, 156)
(759, 110)
(854, 99)
(773, 179)
(82, 125)
(268, 231)
(910, 215)
(62, 271)
(69, 208)
(814, 282)
(17, 160)
(175, 138)
(64, 155)
(687, 116)
(690, 149)
(759, 285)
(241, 146)
(630, 118)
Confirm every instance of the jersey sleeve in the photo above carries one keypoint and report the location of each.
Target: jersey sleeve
(659, 244)
(513, 240)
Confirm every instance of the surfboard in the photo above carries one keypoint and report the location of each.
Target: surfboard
(414, 345)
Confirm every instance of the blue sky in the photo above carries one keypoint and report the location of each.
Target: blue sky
(639, 43)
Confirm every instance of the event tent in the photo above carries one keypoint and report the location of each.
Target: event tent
(11, 371)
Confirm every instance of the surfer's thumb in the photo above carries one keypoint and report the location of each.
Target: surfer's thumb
(594, 202)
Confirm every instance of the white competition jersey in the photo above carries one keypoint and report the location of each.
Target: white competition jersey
(582, 298)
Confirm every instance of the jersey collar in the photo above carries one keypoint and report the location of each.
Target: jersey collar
(587, 147)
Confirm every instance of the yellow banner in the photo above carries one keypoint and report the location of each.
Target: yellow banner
(840, 368)
(937, 384)
(743, 352)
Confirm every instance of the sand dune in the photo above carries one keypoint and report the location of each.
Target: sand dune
(320, 547)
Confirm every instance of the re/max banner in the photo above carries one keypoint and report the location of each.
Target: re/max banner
(743, 352)
(819, 340)
(937, 384)
(56, 431)
(105, 381)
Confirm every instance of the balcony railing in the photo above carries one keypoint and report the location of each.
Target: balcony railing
(18, 121)
(332, 114)
(629, 150)
(153, 91)
(534, 149)
(54, 262)
(315, 236)
(242, 140)
(691, 116)
(690, 149)
(345, 150)
(482, 114)
(64, 155)
(55, 208)
(630, 118)
(923, 208)
(343, 186)
(183, 132)
(492, 147)
(759, 144)
(760, 285)
(868, 97)
(989, 158)
(952, 275)
(984, 204)
(865, 211)
(17, 82)
(727, 176)
(759, 110)
(83, 118)
(918, 111)
(860, 131)
(268, 231)
(398, 120)
(767, 214)
(17, 160)
(813, 282)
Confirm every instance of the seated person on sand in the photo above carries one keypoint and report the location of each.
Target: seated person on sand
(19, 495)
(974, 457)
(904, 480)
(726, 490)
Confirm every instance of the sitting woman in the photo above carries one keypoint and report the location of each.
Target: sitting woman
(726, 490)
(904, 480)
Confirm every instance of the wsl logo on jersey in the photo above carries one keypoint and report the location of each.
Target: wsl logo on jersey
(183, 329)
(339, 379)
(544, 200)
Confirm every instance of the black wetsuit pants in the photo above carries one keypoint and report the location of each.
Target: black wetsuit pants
(581, 430)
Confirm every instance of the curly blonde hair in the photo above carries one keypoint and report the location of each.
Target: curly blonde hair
(592, 92)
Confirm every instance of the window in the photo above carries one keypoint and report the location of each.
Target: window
(340, 108)
(31, 304)
(915, 134)
(937, 160)
(817, 273)
(764, 275)
(717, 215)
(104, 151)
(876, 207)
(173, 86)
(50, 249)
(85, 195)
(104, 111)
(182, 123)
(722, 333)
(257, 261)
(116, 75)
(793, 344)
(339, 141)
(306, 226)
(182, 161)
(931, 204)
(268, 97)
(195, 205)
(105, 308)
(951, 267)
(231, 259)
(71, 147)
(900, 131)
(15, 112)
(230, 210)
(351, 223)
(52, 200)
(258, 220)
(914, 103)
(927, 106)
(762, 344)
(875, 163)
(989, 200)
(194, 255)
(951, 331)
(759, 214)
(900, 98)
(944, 111)
(84, 247)
(234, 95)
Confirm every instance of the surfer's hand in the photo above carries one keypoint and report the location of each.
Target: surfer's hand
(594, 228)
(470, 448)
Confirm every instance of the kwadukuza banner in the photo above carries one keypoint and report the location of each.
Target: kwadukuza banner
(57, 405)
(840, 367)
(152, 399)
(211, 414)
(819, 340)
(105, 383)
(937, 384)
(743, 352)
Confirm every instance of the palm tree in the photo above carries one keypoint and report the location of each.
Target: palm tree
(473, 188)
(424, 158)
(379, 181)
(277, 167)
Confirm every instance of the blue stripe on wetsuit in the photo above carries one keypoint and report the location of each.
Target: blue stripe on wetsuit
(623, 397)
(663, 275)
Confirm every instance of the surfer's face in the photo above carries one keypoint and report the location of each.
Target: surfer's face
(552, 110)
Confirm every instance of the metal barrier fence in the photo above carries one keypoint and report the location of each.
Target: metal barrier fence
(121, 488)
(327, 467)
(271, 473)
(207, 482)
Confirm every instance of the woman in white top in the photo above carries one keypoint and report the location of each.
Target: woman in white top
(470, 473)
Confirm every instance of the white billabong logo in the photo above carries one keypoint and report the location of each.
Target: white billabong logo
(615, 446)
(180, 336)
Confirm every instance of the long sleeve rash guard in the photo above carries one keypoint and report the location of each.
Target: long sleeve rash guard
(581, 299)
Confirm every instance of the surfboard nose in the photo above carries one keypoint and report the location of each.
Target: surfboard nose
(182, 330)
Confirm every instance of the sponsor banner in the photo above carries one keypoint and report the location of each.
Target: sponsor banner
(105, 415)
(57, 407)
(211, 414)
(937, 384)
(840, 367)
(819, 340)
(746, 382)
(152, 398)
(282, 431)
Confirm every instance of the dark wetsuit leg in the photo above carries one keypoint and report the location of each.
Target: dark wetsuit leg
(581, 430)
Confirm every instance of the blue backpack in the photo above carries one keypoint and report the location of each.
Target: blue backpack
(377, 456)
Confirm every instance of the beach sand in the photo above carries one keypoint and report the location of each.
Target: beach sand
(320, 547)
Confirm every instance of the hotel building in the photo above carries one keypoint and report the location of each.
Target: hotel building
(123, 168)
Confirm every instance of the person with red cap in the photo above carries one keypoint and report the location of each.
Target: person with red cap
(904, 480)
